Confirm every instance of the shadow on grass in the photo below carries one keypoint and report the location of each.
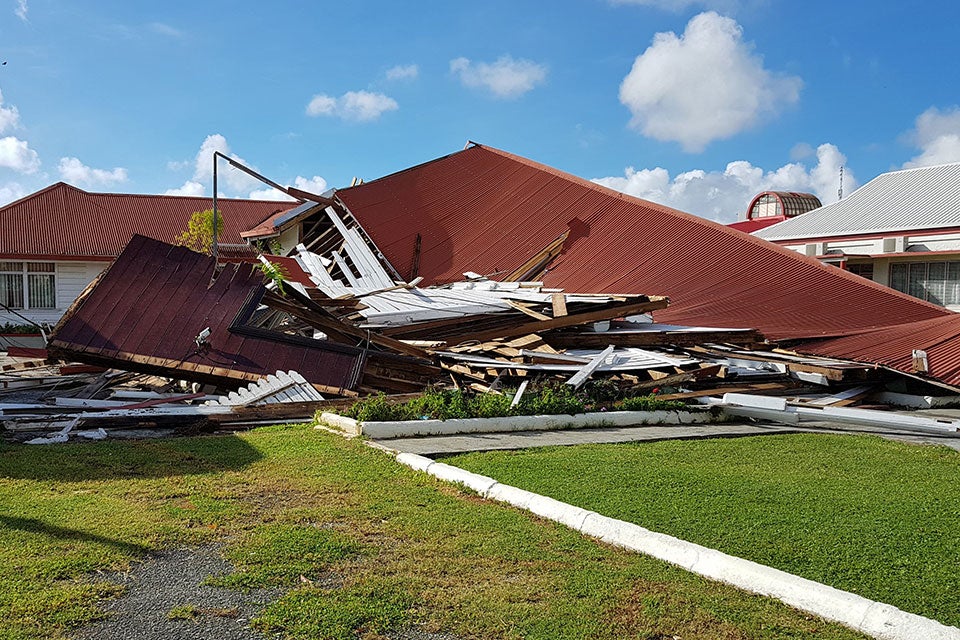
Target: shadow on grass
(77, 462)
(34, 525)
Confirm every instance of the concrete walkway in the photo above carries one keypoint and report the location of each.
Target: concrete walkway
(465, 443)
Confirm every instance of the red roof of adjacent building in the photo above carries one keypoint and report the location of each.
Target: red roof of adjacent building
(749, 226)
(488, 211)
(63, 221)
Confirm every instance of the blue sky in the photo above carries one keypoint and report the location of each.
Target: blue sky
(695, 104)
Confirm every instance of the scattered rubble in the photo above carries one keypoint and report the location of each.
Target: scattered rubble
(342, 324)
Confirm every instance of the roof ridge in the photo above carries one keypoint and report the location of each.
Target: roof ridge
(111, 194)
(909, 169)
(41, 192)
(407, 169)
(700, 220)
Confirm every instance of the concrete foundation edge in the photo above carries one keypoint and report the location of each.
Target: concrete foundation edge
(410, 428)
(877, 619)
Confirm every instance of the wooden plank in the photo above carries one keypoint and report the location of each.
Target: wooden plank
(21, 366)
(523, 308)
(559, 302)
(315, 315)
(27, 352)
(700, 393)
(526, 342)
(607, 313)
(619, 338)
(535, 265)
(583, 374)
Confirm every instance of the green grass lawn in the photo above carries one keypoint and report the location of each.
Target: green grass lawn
(293, 506)
(866, 515)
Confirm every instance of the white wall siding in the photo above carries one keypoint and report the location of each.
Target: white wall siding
(71, 279)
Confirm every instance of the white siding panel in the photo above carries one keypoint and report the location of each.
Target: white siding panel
(71, 279)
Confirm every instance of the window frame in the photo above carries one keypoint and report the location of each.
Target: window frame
(26, 274)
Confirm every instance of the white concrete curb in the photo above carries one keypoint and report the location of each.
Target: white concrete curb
(882, 621)
(408, 428)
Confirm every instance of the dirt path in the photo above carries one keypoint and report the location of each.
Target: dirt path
(170, 582)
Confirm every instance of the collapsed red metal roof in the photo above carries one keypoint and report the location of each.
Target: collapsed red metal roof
(152, 302)
(488, 211)
(65, 222)
(893, 347)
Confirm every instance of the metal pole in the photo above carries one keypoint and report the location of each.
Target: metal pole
(213, 248)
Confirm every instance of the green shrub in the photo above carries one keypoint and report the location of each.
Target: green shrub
(492, 405)
(436, 404)
(649, 403)
(19, 329)
(553, 399)
(375, 409)
(600, 391)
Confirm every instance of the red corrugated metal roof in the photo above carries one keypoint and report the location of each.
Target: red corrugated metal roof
(488, 211)
(62, 220)
(749, 226)
(893, 347)
(156, 298)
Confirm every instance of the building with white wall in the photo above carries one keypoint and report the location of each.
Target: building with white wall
(901, 229)
(54, 242)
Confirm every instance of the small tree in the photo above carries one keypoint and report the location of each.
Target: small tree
(199, 234)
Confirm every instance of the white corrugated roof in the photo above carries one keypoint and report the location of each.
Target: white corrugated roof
(921, 198)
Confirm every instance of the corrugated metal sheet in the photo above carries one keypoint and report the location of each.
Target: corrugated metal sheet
(922, 198)
(488, 211)
(893, 347)
(62, 220)
(750, 226)
(156, 298)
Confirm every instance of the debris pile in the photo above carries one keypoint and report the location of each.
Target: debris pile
(338, 316)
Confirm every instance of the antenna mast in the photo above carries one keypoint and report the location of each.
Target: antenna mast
(840, 191)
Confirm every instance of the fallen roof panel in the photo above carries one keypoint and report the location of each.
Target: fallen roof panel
(147, 309)
(489, 211)
(893, 347)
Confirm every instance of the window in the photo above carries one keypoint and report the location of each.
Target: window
(28, 285)
(862, 269)
(936, 282)
(766, 206)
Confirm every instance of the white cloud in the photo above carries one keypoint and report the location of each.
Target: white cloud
(505, 78)
(21, 10)
(77, 173)
(233, 179)
(937, 135)
(724, 195)
(10, 192)
(801, 151)
(189, 188)
(164, 29)
(322, 105)
(16, 154)
(358, 106)
(9, 117)
(270, 194)
(403, 72)
(703, 86)
(315, 185)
